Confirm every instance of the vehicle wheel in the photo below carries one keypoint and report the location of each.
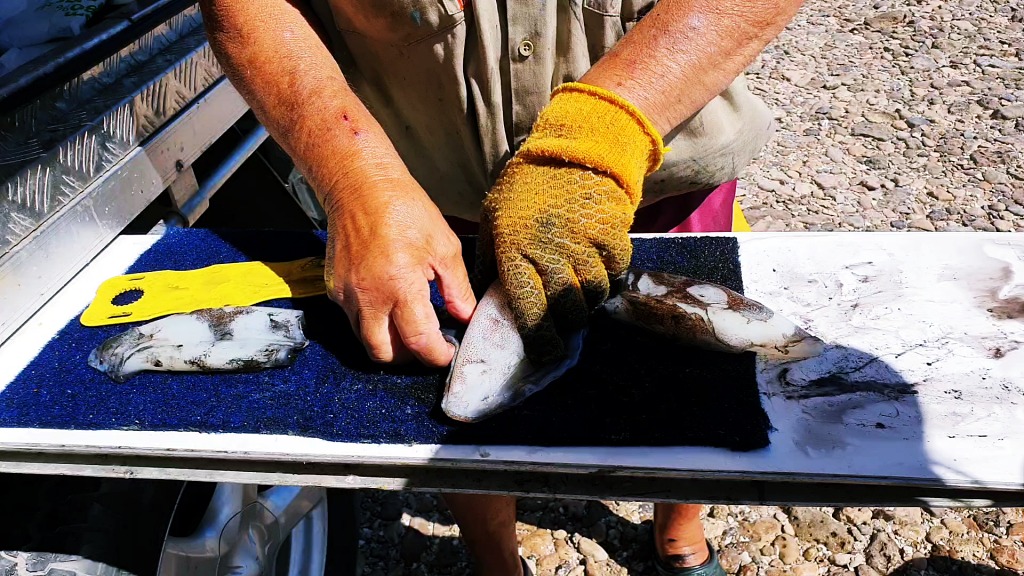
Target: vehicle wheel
(80, 526)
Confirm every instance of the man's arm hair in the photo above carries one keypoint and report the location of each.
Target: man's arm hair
(274, 53)
(685, 52)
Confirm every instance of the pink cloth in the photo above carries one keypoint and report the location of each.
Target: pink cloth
(701, 211)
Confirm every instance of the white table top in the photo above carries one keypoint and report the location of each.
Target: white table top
(939, 314)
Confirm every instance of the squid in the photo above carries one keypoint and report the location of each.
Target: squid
(229, 339)
(491, 373)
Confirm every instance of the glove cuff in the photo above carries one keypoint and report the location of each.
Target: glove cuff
(599, 129)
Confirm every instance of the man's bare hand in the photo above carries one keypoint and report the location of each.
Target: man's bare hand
(383, 248)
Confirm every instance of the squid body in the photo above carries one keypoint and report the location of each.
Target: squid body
(490, 372)
(243, 338)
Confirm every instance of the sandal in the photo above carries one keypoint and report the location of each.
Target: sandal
(710, 567)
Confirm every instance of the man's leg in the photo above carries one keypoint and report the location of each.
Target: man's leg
(679, 535)
(679, 538)
(488, 526)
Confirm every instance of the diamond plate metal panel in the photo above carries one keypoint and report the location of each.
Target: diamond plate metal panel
(55, 147)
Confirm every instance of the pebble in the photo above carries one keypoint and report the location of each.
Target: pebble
(882, 554)
(826, 181)
(842, 559)
(871, 130)
(955, 525)
(789, 548)
(538, 544)
(1011, 112)
(937, 534)
(941, 195)
(922, 224)
(592, 550)
(1011, 558)
(805, 569)
(764, 531)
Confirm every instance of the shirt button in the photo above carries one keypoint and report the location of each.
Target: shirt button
(525, 48)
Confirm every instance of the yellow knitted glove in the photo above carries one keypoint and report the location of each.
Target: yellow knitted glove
(555, 225)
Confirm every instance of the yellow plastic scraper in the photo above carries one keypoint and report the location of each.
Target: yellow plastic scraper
(148, 295)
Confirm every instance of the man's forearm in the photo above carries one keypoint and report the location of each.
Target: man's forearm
(273, 54)
(686, 52)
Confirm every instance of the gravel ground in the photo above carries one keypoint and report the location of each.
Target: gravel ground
(891, 116)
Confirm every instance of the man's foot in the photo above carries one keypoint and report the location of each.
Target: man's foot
(695, 563)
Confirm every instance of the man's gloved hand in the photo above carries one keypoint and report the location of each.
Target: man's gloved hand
(555, 225)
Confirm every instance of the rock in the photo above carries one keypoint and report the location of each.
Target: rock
(941, 195)
(1011, 112)
(855, 515)
(565, 552)
(730, 558)
(1016, 530)
(748, 570)
(871, 183)
(937, 534)
(798, 78)
(559, 534)
(714, 528)
(789, 549)
(815, 525)
(971, 525)
(1002, 226)
(592, 550)
(882, 554)
(805, 569)
(874, 131)
(954, 525)
(842, 559)
(879, 117)
(538, 544)
(826, 181)
(854, 221)
(886, 20)
(865, 570)
(763, 531)
(911, 532)
(993, 176)
(595, 569)
(577, 571)
(923, 62)
(922, 224)
(1008, 557)
(548, 564)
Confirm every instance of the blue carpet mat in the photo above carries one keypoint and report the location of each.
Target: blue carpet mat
(629, 389)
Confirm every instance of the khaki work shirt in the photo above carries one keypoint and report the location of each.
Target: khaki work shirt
(458, 86)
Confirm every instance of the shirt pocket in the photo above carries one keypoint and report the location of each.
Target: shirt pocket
(397, 22)
(602, 24)
(634, 10)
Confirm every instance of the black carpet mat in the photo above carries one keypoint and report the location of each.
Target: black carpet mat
(630, 388)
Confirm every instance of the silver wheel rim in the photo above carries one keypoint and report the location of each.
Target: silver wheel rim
(242, 532)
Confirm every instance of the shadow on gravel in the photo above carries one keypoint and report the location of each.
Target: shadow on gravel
(943, 566)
